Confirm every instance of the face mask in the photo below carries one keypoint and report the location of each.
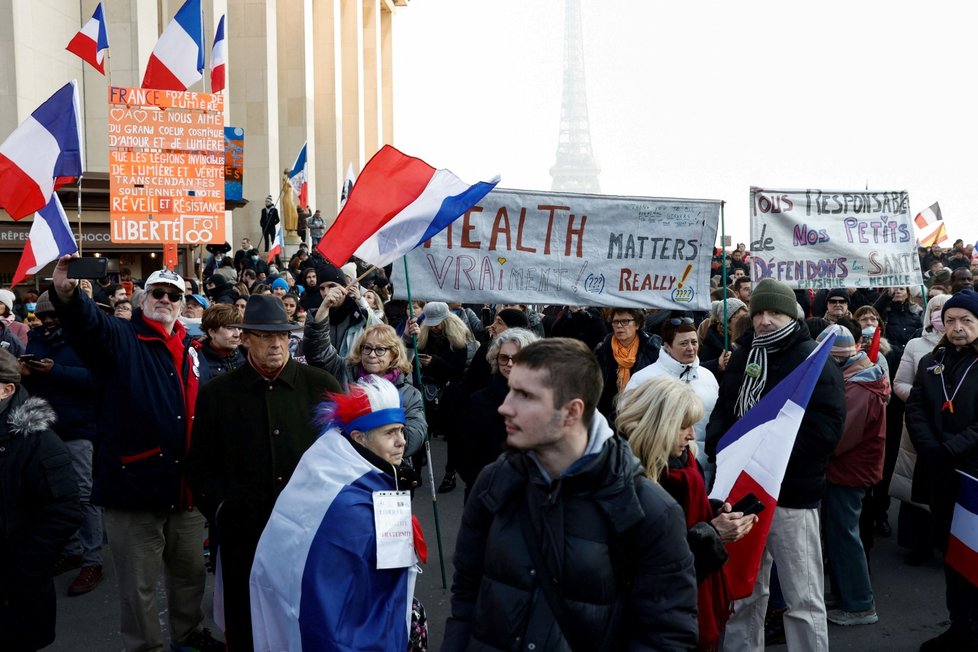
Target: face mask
(31, 306)
(936, 321)
(254, 259)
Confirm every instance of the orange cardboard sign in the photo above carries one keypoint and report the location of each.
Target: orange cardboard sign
(166, 166)
(145, 97)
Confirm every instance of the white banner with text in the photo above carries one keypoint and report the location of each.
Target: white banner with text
(813, 239)
(519, 246)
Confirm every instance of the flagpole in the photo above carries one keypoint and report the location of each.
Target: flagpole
(723, 270)
(427, 435)
(79, 216)
(108, 66)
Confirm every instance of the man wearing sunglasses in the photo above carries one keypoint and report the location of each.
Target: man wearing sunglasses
(146, 376)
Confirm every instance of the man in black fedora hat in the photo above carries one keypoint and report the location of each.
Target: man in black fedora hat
(252, 425)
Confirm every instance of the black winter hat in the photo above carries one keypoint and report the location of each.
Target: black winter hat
(967, 299)
(327, 272)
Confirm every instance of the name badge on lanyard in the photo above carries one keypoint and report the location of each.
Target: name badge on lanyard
(395, 535)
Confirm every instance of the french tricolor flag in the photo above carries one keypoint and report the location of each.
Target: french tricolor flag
(50, 239)
(298, 178)
(92, 41)
(219, 58)
(397, 204)
(753, 455)
(962, 545)
(42, 154)
(177, 61)
(278, 246)
(315, 582)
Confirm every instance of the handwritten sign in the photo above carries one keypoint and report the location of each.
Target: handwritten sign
(571, 249)
(166, 166)
(832, 239)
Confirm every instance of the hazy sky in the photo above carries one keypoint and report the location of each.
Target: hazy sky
(702, 99)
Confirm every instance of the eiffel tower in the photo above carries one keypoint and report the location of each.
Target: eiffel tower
(575, 169)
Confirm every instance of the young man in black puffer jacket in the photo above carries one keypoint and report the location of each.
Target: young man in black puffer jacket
(570, 507)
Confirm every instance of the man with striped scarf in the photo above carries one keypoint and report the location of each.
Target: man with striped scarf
(777, 344)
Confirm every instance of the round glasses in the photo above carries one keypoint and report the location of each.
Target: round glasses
(374, 351)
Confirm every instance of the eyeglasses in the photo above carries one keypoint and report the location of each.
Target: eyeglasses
(123, 308)
(505, 360)
(676, 321)
(837, 301)
(376, 351)
(622, 322)
(173, 295)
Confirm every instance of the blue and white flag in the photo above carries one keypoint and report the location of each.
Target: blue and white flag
(315, 585)
(753, 456)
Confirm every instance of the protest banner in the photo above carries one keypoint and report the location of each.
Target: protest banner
(814, 239)
(166, 166)
(570, 249)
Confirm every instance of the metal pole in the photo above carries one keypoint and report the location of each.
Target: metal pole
(723, 271)
(427, 436)
(79, 216)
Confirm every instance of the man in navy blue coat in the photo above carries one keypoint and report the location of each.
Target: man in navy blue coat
(146, 375)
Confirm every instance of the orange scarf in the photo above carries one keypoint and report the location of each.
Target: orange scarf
(625, 357)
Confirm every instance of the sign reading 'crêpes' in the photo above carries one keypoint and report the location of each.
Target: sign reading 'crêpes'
(166, 166)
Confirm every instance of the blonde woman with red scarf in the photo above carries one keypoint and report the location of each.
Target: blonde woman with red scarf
(658, 418)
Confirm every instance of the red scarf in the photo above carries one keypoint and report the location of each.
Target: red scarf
(178, 351)
(713, 594)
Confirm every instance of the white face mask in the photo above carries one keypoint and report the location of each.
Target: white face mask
(935, 320)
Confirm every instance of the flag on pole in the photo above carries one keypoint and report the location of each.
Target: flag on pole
(218, 59)
(397, 204)
(962, 545)
(929, 216)
(297, 178)
(177, 61)
(314, 581)
(50, 238)
(753, 455)
(278, 246)
(347, 184)
(937, 236)
(42, 154)
(92, 41)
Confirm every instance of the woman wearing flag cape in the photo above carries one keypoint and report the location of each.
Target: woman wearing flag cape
(336, 565)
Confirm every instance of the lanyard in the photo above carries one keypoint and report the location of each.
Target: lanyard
(949, 402)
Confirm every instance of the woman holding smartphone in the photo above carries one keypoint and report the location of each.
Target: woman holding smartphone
(657, 418)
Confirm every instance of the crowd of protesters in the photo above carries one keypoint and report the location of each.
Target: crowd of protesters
(171, 411)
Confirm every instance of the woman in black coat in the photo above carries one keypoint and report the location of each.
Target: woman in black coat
(483, 429)
(622, 353)
(443, 351)
(40, 512)
(902, 319)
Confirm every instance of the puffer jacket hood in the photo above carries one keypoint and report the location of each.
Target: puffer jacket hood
(29, 415)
